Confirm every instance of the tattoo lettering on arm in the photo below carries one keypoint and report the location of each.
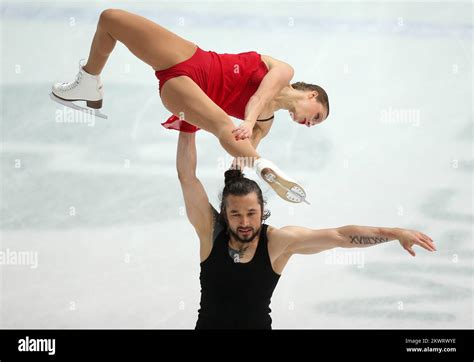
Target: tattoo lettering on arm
(367, 240)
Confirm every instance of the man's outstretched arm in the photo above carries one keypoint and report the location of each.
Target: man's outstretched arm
(301, 240)
(198, 209)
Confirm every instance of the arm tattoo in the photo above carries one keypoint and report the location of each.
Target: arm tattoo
(367, 240)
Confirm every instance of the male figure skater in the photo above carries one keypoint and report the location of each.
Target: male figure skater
(242, 258)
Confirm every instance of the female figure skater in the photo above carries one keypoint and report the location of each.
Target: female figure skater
(202, 88)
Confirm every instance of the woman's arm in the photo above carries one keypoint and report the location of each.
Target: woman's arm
(259, 132)
(278, 76)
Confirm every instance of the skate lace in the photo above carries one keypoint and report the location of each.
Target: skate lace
(74, 83)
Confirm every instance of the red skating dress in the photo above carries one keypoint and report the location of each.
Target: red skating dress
(228, 79)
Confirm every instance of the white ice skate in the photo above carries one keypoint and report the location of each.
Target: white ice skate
(284, 186)
(86, 87)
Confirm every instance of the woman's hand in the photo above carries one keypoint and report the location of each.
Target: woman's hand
(244, 130)
(408, 238)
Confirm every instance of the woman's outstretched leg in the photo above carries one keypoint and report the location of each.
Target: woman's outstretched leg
(102, 45)
(148, 41)
(183, 97)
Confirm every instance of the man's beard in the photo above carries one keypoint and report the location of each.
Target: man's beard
(246, 239)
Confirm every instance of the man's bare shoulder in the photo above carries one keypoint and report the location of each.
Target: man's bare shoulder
(278, 233)
(278, 239)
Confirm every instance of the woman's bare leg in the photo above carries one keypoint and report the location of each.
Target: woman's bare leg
(102, 46)
(162, 49)
(150, 42)
(182, 97)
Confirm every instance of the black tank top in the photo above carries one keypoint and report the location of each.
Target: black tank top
(236, 295)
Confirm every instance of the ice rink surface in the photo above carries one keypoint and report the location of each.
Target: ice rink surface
(96, 205)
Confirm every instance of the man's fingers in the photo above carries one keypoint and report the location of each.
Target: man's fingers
(428, 240)
(430, 243)
(410, 250)
(427, 237)
(424, 245)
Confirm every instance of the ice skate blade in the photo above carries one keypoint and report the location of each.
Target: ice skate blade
(287, 190)
(70, 104)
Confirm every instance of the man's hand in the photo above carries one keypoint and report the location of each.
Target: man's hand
(244, 130)
(408, 238)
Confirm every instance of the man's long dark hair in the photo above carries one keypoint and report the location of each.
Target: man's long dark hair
(238, 185)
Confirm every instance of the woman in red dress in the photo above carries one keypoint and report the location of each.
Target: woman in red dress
(202, 89)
